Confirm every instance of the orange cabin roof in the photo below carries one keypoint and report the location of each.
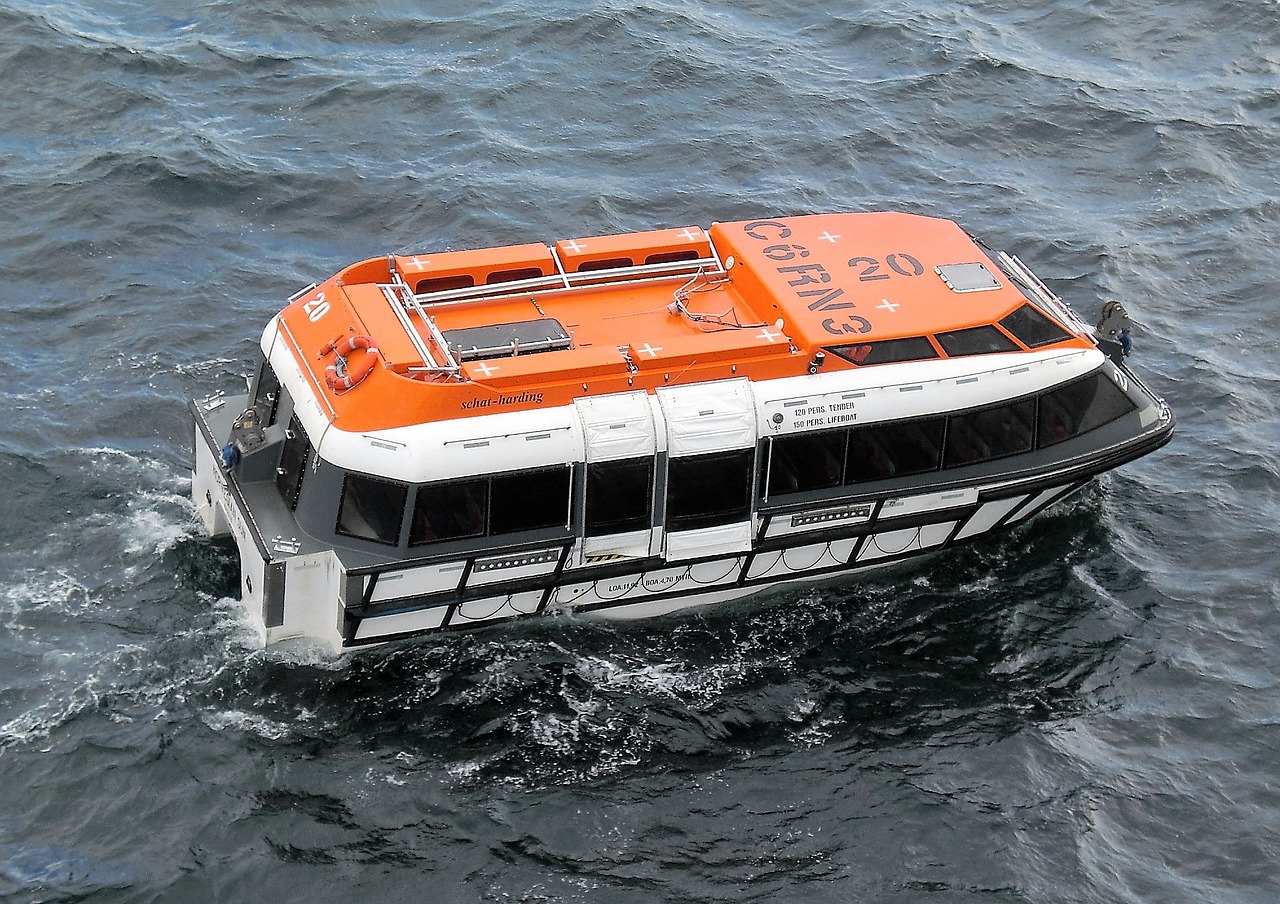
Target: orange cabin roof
(528, 325)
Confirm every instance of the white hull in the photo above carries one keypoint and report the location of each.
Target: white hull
(314, 597)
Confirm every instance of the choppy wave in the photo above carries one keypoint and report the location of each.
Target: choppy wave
(1080, 710)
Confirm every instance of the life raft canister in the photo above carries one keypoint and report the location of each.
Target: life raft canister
(342, 377)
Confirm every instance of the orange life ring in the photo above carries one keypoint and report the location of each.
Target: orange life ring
(339, 375)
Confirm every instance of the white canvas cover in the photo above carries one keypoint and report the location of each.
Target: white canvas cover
(617, 426)
(708, 417)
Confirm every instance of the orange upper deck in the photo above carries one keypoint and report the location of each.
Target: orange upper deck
(526, 326)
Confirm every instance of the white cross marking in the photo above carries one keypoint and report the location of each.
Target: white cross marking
(649, 350)
(485, 369)
(828, 237)
(767, 333)
(417, 264)
(888, 305)
(690, 233)
(575, 246)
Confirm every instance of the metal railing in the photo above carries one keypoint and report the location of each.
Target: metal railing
(1043, 294)
(402, 300)
(405, 302)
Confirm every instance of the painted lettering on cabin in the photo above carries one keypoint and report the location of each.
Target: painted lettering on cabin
(803, 414)
(852, 323)
(753, 229)
(806, 274)
(809, 281)
(786, 252)
(520, 398)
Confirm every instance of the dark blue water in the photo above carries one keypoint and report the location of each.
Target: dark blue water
(1084, 710)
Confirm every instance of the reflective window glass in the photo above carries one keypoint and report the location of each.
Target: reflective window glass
(980, 340)
(1082, 406)
(449, 511)
(890, 351)
(1032, 328)
(990, 433)
(806, 461)
(529, 500)
(707, 490)
(893, 450)
(619, 496)
(372, 509)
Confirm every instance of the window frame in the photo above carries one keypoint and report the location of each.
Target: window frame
(959, 337)
(486, 505)
(897, 350)
(771, 471)
(697, 520)
(1083, 416)
(347, 480)
(1040, 321)
(446, 486)
(563, 519)
(642, 521)
(887, 428)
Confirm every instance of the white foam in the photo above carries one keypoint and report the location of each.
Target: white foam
(251, 723)
(156, 523)
(67, 689)
(38, 592)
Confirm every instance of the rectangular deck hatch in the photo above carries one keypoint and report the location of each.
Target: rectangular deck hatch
(506, 340)
(968, 277)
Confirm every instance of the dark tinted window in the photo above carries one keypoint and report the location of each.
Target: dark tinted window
(806, 461)
(671, 257)
(444, 283)
(980, 340)
(529, 500)
(990, 433)
(612, 263)
(1071, 410)
(707, 490)
(1032, 328)
(619, 496)
(893, 450)
(372, 509)
(890, 351)
(448, 511)
(293, 463)
(502, 276)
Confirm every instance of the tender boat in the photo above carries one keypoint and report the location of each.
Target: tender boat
(634, 424)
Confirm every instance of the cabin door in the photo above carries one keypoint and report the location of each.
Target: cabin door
(710, 463)
(618, 512)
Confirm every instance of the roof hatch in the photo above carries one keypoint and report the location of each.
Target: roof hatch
(506, 340)
(967, 277)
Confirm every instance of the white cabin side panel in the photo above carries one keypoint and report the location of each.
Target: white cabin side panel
(466, 447)
(918, 389)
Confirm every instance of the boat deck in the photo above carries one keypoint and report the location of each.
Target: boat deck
(596, 315)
